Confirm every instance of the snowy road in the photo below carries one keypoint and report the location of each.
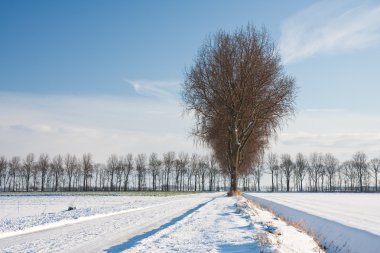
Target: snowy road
(208, 222)
(228, 224)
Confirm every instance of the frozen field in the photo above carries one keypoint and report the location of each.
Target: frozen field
(208, 222)
(344, 222)
(19, 214)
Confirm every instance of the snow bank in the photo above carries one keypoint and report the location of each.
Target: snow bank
(334, 236)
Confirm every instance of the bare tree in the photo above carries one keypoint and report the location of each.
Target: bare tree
(349, 174)
(43, 166)
(316, 168)
(287, 168)
(14, 167)
(113, 163)
(240, 95)
(359, 160)
(258, 171)
(177, 170)
(182, 163)
(272, 163)
(78, 173)
(169, 159)
(331, 165)
(28, 167)
(128, 167)
(3, 171)
(97, 169)
(213, 170)
(203, 168)
(375, 165)
(154, 167)
(119, 173)
(57, 169)
(301, 168)
(140, 161)
(194, 161)
(70, 163)
(87, 166)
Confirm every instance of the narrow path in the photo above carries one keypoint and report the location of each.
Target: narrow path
(214, 227)
(104, 233)
(138, 238)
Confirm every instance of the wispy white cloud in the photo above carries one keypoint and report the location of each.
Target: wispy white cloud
(100, 125)
(106, 125)
(330, 27)
(158, 89)
(340, 132)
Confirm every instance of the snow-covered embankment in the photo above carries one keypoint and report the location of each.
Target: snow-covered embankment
(334, 236)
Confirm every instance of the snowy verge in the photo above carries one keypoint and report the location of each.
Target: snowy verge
(333, 236)
(273, 234)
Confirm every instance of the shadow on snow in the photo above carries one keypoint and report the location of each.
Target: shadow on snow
(250, 247)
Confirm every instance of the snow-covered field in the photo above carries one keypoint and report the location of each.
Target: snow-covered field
(20, 214)
(208, 222)
(343, 222)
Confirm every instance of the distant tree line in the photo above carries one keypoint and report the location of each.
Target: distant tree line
(183, 172)
(316, 173)
(170, 172)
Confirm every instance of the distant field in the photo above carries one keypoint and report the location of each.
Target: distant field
(23, 209)
(349, 222)
(98, 193)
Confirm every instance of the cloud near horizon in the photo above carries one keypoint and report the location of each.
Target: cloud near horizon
(335, 131)
(105, 125)
(330, 27)
(99, 125)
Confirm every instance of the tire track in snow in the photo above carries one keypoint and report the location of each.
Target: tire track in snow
(135, 240)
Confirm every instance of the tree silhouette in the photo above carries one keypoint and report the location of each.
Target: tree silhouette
(240, 95)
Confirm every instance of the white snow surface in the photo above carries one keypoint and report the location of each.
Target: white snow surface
(208, 222)
(23, 214)
(343, 222)
(228, 225)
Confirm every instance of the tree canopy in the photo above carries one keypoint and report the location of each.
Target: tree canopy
(240, 95)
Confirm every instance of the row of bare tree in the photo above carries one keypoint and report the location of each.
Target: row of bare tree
(171, 172)
(316, 172)
(184, 172)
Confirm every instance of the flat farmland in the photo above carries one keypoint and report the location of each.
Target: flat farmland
(345, 221)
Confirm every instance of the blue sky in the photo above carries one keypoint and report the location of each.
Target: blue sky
(103, 76)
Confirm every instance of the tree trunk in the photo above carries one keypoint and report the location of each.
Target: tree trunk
(272, 182)
(287, 184)
(233, 180)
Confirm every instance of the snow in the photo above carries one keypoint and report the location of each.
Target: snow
(213, 227)
(227, 225)
(283, 237)
(207, 222)
(343, 222)
(24, 214)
